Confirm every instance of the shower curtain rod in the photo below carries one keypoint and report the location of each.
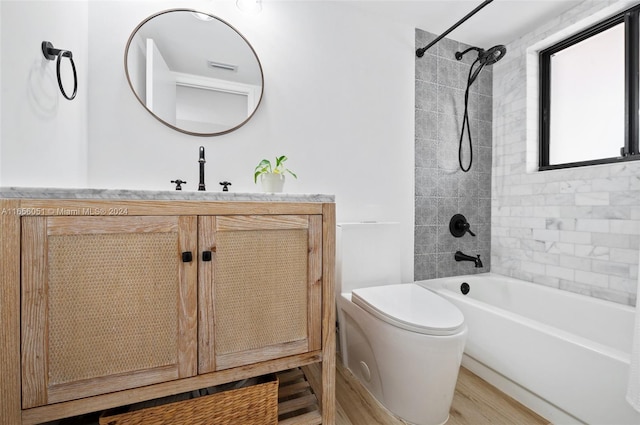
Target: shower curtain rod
(420, 52)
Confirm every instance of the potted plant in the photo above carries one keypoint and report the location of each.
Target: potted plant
(272, 177)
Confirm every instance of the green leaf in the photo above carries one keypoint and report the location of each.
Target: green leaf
(264, 167)
(264, 164)
(280, 160)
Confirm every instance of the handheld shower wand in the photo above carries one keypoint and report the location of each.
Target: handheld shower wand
(485, 57)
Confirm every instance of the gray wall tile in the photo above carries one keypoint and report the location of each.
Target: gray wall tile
(426, 153)
(442, 189)
(426, 124)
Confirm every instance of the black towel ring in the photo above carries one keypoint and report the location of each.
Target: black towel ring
(51, 53)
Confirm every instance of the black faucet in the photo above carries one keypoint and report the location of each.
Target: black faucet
(201, 161)
(178, 183)
(459, 256)
(459, 225)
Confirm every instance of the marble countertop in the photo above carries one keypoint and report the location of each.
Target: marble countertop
(157, 195)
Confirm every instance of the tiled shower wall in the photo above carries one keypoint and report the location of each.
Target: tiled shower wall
(575, 229)
(441, 188)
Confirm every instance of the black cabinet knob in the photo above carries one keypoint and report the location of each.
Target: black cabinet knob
(187, 257)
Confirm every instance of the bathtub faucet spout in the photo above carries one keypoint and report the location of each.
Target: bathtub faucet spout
(459, 256)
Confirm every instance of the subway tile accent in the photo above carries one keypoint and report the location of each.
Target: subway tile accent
(575, 229)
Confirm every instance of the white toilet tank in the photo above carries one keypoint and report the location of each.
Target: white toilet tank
(367, 254)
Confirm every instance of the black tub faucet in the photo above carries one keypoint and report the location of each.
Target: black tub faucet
(459, 256)
(201, 161)
(458, 226)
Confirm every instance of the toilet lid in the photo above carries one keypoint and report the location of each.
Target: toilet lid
(411, 307)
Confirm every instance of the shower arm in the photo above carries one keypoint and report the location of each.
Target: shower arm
(420, 52)
(459, 55)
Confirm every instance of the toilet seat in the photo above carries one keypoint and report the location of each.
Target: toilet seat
(411, 307)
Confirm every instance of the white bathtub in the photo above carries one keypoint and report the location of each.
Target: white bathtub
(564, 355)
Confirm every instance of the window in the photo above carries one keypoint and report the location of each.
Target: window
(589, 95)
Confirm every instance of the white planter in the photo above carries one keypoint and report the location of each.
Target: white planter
(272, 182)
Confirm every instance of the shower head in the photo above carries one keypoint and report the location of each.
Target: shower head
(492, 55)
(486, 57)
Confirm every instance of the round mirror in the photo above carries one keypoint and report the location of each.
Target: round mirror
(194, 72)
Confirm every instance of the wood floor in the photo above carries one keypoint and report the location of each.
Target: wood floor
(475, 403)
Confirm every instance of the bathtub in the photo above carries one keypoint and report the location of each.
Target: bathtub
(565, 356)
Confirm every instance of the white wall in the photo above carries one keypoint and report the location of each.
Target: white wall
(577, 229)
(338, 101)
(43, 136)
(0, 92)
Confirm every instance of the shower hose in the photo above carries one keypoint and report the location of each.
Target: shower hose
(473, 74)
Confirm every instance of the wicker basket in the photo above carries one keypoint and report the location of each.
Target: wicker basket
(252, 405)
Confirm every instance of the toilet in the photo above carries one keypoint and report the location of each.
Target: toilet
(402, 341)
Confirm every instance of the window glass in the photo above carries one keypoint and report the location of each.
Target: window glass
(587, 99)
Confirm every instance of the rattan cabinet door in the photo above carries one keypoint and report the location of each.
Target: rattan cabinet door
(260, 295)
(107, 304)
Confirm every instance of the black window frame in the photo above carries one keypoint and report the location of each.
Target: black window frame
(630, 151)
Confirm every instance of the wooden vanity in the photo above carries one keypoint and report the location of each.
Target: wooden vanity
(110, 298)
